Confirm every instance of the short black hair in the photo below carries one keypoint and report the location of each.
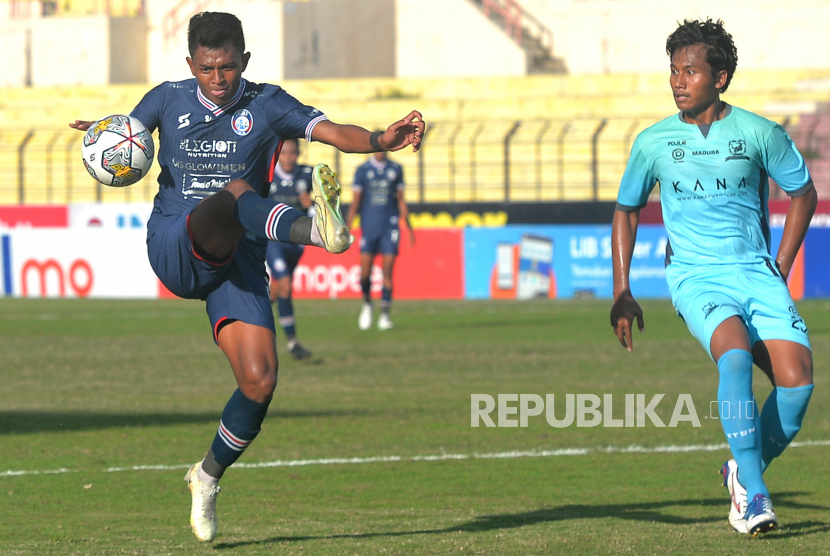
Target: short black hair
(721, 53)
(214, 30)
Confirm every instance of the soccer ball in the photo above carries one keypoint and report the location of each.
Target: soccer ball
(118, 150)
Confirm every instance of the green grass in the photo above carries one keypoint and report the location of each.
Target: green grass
(89, 385)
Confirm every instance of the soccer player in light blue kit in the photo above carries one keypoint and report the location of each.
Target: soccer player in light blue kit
(713, 162)
(212, 220)
(290, 186)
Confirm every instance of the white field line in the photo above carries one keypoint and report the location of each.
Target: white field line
(633, 449)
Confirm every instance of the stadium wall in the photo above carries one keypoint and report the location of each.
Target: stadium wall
(451, 38)
(99, 250)
(629, 36)
(335, 39)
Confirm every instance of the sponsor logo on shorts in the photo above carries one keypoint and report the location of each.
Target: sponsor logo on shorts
(798, 322)
(708, 308)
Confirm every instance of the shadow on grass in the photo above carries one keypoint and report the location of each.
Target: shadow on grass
(650, 512)
(25, 422)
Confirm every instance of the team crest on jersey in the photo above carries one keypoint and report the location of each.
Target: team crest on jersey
(242, 122)
(737, 150)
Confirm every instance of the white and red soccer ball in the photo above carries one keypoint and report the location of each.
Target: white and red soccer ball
(118, 150)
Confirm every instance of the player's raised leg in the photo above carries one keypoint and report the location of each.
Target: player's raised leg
(219, 221)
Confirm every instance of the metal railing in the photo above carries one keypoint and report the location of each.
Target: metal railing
(546, 159)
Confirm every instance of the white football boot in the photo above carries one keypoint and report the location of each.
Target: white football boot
(760, 517)
(364, 321)
(203, 505)
(384, 322)
(328, 218)
(737, 492)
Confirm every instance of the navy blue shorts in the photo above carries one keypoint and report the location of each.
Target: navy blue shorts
(282, 258)
(383, 241)
(234, 290)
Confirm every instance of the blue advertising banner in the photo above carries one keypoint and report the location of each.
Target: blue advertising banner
(523, 262)
(817, 263)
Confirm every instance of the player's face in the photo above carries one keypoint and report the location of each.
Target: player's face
(218, 71)
(288, 156)
(694, 87)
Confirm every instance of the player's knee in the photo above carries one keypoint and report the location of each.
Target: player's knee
(238, 187)
(260, 380)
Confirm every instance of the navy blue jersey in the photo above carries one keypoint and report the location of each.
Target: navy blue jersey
(379, 182)
(202, 146)
(286, 187)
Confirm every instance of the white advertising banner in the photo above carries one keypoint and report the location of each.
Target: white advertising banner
(125, 216)
(77, 263)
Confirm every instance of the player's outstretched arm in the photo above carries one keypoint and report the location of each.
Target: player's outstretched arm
(625, 309)
(799, 216)
(81, 125)
(355, 139)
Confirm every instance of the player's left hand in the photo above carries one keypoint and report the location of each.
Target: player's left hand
(81, 125)
(411, 238)
(623, 314)
(408, 131)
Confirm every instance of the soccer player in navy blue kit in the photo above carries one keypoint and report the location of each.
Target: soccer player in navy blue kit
(290, 186)
(714, 162)
(378, 189)
(211, 220)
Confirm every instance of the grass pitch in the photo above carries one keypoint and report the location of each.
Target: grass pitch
(92, 386)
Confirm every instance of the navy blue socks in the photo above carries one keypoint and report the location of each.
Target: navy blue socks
(385, 300)
(268, 219)
(286, 311)
(240, 424)
(366, 287)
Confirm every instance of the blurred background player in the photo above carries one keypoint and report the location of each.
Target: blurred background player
(290, 186)
(378, 190)
(714, 162)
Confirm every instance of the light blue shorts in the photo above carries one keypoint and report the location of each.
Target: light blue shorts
(705, 296)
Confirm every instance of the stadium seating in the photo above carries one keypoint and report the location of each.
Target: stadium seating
(564, 137)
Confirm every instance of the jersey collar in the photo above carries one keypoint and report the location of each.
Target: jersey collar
(215, 108)
(379, 166)
(282, 174)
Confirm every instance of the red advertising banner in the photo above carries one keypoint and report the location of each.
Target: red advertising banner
(28, 216)
(432, 269)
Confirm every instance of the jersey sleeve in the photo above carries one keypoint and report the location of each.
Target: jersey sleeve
(288, 116)
(638, 180)
(148, 110)
(784, 163)
(359, 179)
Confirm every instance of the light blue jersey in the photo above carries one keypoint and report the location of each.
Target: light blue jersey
(714, 188)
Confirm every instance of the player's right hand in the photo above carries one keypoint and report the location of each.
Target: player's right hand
(81, 125)
(623, 313)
